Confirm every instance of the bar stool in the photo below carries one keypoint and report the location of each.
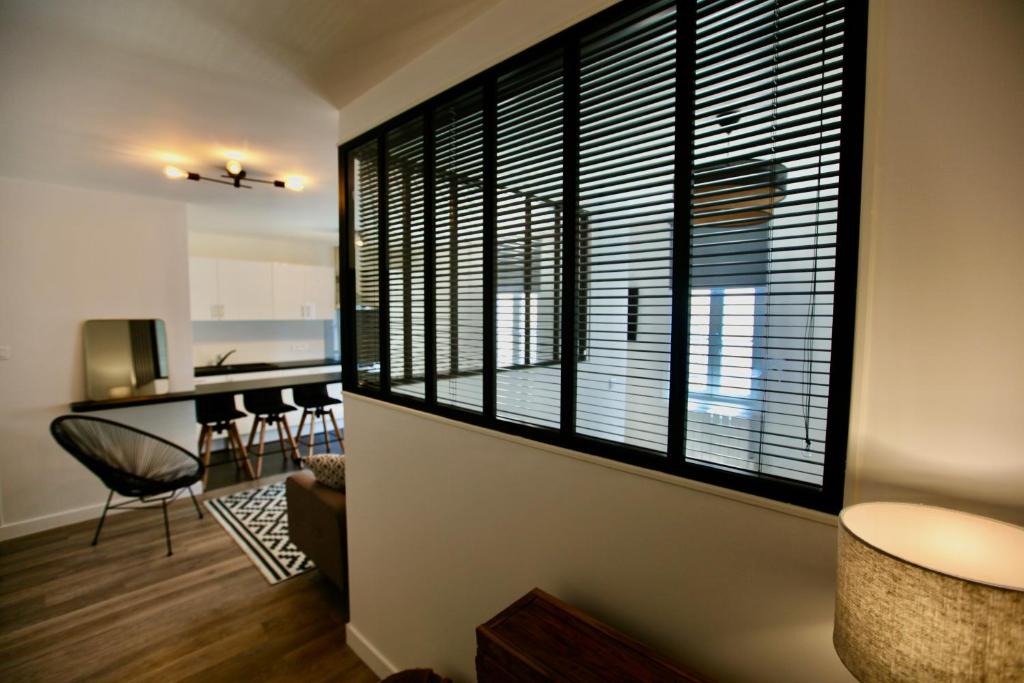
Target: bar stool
(314, 400)
(268, 408)
(217, 414)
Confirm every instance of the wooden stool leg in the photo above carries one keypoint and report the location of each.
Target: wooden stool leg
(311, 441)
(327, 437)
(302, 423)
(252, 434)
(291, 440)
(236, 453)
(327, 434)
(202, 440)
(337, 432)
(243, 452)
(263, 436)
(248, 451)
(204, 452)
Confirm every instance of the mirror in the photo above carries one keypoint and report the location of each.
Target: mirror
(125, 358)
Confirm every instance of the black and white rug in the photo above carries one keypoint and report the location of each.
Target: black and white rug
(258, 521)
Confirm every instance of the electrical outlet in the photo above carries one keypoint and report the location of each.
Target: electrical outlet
(300, 346)
(5, 352)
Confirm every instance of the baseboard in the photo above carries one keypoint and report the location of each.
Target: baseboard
(55, 520)
(370, 655)
(52, 521)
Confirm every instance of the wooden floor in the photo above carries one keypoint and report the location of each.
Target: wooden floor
(124, 611)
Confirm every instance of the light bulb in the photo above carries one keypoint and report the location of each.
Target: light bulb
(174, 172)
(234, 166)
(293, 183)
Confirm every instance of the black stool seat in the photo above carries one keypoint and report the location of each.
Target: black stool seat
(217, 409)
(218, 414)
(313, 396)
(266, 402)
(316, 403)
(270, 409)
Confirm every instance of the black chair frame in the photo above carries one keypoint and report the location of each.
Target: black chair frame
(148, 492)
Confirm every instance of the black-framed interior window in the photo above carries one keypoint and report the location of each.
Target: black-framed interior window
(637, 239)
(459, 250)
(365, 177)
(405, 255)
(528, 236)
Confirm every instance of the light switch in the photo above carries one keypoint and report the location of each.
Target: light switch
(5, 352)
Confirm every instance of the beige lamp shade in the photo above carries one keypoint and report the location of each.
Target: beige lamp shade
(929, 594)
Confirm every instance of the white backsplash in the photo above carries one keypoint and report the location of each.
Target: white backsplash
(261, 341)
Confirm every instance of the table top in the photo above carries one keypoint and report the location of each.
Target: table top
(213, 389)
(541, 638)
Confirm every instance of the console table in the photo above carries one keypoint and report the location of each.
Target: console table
(540, 638)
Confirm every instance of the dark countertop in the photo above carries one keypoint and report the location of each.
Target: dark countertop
(213, 389)
(232, 369)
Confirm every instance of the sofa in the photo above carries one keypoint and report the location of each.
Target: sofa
(316, 525)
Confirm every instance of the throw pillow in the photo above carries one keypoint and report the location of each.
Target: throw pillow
(329, 469)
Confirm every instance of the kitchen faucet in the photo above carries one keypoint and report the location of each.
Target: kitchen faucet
(221, 359)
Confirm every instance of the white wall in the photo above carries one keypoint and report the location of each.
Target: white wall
(68, 255)
(939, 379)
(447, 525)
(251, 247)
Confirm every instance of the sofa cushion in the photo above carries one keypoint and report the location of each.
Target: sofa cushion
(329, 470)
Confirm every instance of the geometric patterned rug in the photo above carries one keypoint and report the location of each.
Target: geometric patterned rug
(258, 521)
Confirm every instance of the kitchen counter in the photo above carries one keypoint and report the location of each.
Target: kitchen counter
(215, 389)
(232, 369)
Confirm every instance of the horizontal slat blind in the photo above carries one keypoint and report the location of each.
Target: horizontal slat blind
(405, 232)
(366, 216)
(458, 239)
(763, 234)
(632, 240)
(528, 242)
(627, 156)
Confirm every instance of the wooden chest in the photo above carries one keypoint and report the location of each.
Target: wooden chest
(540, 638)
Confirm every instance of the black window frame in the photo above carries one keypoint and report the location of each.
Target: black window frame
(828, 497)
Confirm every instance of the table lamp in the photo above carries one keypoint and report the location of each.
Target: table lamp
(929, 594)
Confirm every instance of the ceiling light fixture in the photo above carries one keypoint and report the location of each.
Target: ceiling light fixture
(235, 175)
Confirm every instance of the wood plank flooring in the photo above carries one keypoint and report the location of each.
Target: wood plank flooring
(125, 611)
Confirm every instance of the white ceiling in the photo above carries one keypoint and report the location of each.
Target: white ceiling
(104, 93)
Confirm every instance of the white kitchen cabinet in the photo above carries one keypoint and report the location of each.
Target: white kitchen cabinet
(246, 289)
(320, 292)
(289, 291)
(205, 297)
(303, 292)
(228, 289)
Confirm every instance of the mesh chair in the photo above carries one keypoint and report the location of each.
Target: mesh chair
(130, 462)
(316, 403)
